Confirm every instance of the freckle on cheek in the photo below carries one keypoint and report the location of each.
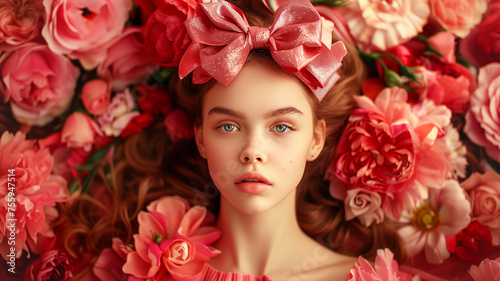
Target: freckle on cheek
(290, 162)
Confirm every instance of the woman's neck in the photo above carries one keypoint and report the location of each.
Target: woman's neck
(258, 244)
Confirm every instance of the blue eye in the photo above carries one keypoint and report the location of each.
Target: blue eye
(228, 127)
(282, 128)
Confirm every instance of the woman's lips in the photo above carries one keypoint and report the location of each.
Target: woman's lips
(252, 183)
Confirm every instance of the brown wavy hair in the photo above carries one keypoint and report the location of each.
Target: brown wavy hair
(148, 165)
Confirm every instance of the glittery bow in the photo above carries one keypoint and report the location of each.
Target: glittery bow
(222, 40)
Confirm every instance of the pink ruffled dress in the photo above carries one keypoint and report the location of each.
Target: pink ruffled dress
(213, 274)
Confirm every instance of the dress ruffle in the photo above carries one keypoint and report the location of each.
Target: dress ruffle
(213, 274)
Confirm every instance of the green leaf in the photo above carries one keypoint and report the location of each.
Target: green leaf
(96, 157)
(89, 179)
(74, 185)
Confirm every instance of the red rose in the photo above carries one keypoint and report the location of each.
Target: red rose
(165, 37)
(179, 125)
(153, 99)
(489, 34)
(137, 124)
(473, 243)
(52, 265)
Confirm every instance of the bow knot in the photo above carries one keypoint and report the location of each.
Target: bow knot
(258, 37)
(222, 39)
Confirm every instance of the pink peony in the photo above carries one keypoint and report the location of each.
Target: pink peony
(52, 265)
(444, 213)
(165, 37)
(80, 131)
(484, 192)
(363, 204)
(39, 83)
(111, 260)
(458, 16)
(389, 147)
(386, 269)
(95, 96)
(83, 30)
(35, 190)
(482, 120)
(20, 21)
(173, 240)
(179, 125)
(118, 114)
(381, 25)
(126, 62)
(488, 270)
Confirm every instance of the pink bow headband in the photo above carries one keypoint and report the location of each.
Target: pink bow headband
(222, 39)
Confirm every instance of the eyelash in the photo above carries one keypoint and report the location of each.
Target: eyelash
(288, 128)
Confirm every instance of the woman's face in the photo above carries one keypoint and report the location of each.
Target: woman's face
(257, 134)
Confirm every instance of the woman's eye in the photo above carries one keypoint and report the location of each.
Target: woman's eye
(282, 128)
(228, 127)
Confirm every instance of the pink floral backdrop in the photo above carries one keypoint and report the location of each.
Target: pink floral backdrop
(421, 150)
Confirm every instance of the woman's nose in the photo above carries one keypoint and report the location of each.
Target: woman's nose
(253, 151)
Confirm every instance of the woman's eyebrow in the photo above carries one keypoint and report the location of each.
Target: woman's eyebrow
(270, 114)
(226, 111)
(283, 111)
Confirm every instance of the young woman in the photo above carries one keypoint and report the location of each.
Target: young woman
(263, 137)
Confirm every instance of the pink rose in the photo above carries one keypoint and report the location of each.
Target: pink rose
(36, 190)
(52, 265)
(165, 37)
(95, 96)
(179, 125)
(20, 21)
(447, 85)
(173, 240)
(126, 62)
(482, 120)
(458, 16)
(444, 43)
(40, 84)
(378, 26)
(386, 268)
(83, 30)
(484, 191)
(80, 130)
(111, 260)
(488, 270)
(363, 204)
(118, 114)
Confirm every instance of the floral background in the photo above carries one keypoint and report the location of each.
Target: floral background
(421, 150)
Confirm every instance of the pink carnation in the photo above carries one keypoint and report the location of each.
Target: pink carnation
(173, 240)
(458, 16)
(488, 270)
(381, 25)
(111, 260)
(118, 114)
(386, 269)
(35, 190)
